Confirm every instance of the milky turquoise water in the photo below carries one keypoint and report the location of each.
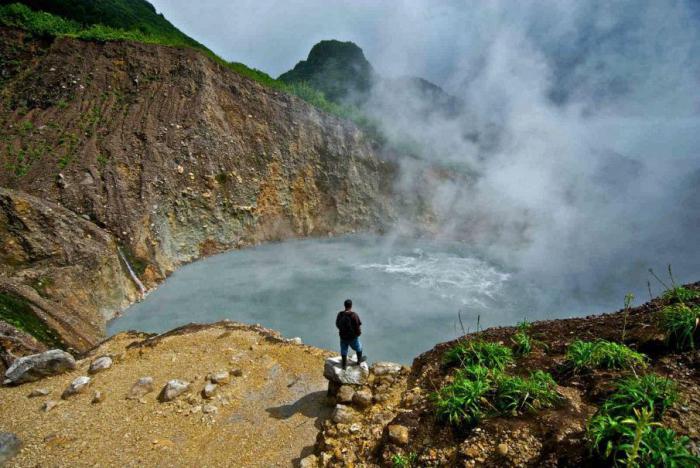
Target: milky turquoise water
(407, 292)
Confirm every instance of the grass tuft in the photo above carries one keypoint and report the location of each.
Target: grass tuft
(602, 354)
(493, 356)
(680, 294)
(680, 322)
(522, 342)
(515, 395)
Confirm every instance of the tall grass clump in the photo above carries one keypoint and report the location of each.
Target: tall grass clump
(602, 354)
(491, 355)
(461, 402)
(680, 294)
(680, 323)
(626, 429)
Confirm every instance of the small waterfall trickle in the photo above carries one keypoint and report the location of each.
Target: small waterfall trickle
(135, 278)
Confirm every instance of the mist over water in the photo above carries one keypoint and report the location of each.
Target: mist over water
(408, 293)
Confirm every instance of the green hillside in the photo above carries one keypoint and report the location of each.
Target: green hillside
(338, 69)
(137, 20)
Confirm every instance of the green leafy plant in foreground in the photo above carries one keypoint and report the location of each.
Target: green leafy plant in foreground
(626, 431)
(493, 356)
(602, 354)
(680, 322)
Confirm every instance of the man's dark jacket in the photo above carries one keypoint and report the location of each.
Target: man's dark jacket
(348, 323)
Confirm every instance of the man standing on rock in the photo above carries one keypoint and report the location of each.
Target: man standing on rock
(348, 323)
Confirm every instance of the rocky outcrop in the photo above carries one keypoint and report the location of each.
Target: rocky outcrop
(165, 154)
(37, 366)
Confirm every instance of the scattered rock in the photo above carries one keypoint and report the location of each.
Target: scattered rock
(79, 385)
(222, 377)
(362, 398)
(296, 340)
(98, 397)
(345, 394)
(386, 368)
(48, 406)
(100, 364)
(143, 386)
(309, 462)
(502, 449)
(353, 374)
(398, 434)
(39, 392)
(210, 409)
(173, 389)
(37, 366)
(237, 372)
(343, 414)
(209, 390)
(10, 446)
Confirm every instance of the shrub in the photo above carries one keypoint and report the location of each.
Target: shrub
(680, 294)
(680, 322)
(460, 402)
(603, 354)
(517, 394)
(490, 355)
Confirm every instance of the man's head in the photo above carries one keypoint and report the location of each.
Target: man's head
(348, 304)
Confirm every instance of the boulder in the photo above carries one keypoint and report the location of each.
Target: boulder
(173, 389)
(345, 394)
(398, 434)
(37, 366)
(79, 385)
(386, 368)
(100, 364)
(10, 446)
(353, 374)
(143, 386)
(209, 390)
(362, 398)
(343, 414)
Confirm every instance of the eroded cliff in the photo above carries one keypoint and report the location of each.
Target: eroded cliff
(168, 155)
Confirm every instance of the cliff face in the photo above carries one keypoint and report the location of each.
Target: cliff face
(170, 156)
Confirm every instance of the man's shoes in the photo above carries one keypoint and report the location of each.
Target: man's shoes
(360, 358)
(345, 361)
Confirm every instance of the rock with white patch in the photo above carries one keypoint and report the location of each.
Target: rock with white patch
(386, 368)
(79, 385)
(173, 389)
(353, 374)
(143, 386)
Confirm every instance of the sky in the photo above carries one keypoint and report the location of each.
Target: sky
(580, 122)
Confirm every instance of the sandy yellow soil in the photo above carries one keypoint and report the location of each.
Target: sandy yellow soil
(269, 416)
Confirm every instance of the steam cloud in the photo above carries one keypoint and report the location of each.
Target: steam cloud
(574, 154)
(578, 137)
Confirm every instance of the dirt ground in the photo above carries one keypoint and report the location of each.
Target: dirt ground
(269, 416)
